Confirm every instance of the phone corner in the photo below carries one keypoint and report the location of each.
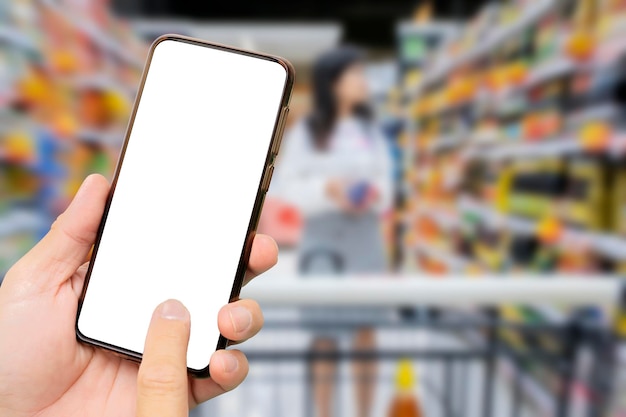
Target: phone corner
(163, 38)
(203, 373)
(290, 69)
(80, 336)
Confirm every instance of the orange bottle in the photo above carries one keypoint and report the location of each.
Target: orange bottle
(405, 402)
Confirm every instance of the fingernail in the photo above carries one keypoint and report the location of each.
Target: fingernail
(173, 310)
(229, 362)
(241, 319)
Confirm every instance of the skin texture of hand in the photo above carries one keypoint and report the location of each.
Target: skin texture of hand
(44, 371)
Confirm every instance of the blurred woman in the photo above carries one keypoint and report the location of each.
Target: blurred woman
(336, 168)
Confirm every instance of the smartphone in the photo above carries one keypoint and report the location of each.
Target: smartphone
(187, 194)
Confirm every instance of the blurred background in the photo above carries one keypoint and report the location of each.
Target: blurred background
(450, 138)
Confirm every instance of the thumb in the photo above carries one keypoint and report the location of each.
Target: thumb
(57, 256)
(162, 379)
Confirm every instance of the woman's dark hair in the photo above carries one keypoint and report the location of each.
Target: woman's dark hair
(326, 71)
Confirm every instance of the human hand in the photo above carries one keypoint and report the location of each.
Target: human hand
(362, 201)
(44, 371)
(337, 190)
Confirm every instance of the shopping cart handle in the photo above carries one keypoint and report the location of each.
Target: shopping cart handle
(450, 291)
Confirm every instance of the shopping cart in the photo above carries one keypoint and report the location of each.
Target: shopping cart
(471, 361)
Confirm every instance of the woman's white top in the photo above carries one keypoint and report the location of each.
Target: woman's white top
(355, 153)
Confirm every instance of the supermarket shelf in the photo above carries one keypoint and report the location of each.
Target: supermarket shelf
(441, 217)
(543, 149)
(112, 139)
(453, 291)
(500, 149)
(97, 35)
(16, 38)
(453, 261)
(498, 36)
(446, 142)
(101, 82)
(548, 70)
(600, 113)
(20, 221)
(542, 73)
(608, 245)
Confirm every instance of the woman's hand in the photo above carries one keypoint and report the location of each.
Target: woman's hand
(339, 192)
(44, 371)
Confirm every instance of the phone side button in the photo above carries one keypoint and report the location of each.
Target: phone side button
(268, 178)
(281, 129)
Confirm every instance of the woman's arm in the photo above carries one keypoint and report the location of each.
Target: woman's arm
(298, 180)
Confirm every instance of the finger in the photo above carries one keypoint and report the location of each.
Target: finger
(264, 255)
(228, 369)
(65, 247)
(162, 378)
(78, 279)
(241, 320)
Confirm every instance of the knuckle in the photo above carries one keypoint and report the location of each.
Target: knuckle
(162, 379)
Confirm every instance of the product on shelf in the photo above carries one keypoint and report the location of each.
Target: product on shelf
(532, 129)
(618, 203)
(490, 249)
(68, 71)
(535, 186)
(587, 200)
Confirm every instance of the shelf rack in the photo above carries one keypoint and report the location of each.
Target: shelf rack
(497, 37)
(97, 35)
(609, 245)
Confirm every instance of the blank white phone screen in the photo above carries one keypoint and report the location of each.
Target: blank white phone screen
(185, 193)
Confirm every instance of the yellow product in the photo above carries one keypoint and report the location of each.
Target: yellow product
(490, 249)
(619, 203)
(620, 324)
(405, 402)
(34, 88)
(587, 202)
(64, 61)
(117, 105)
(586, 14)
(19, 147)
(549, 229)
(581, 45)
(64, 124)
(595, 136)
(503, 188)
(535, 185)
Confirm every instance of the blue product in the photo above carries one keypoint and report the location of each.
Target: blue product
(357, 193)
